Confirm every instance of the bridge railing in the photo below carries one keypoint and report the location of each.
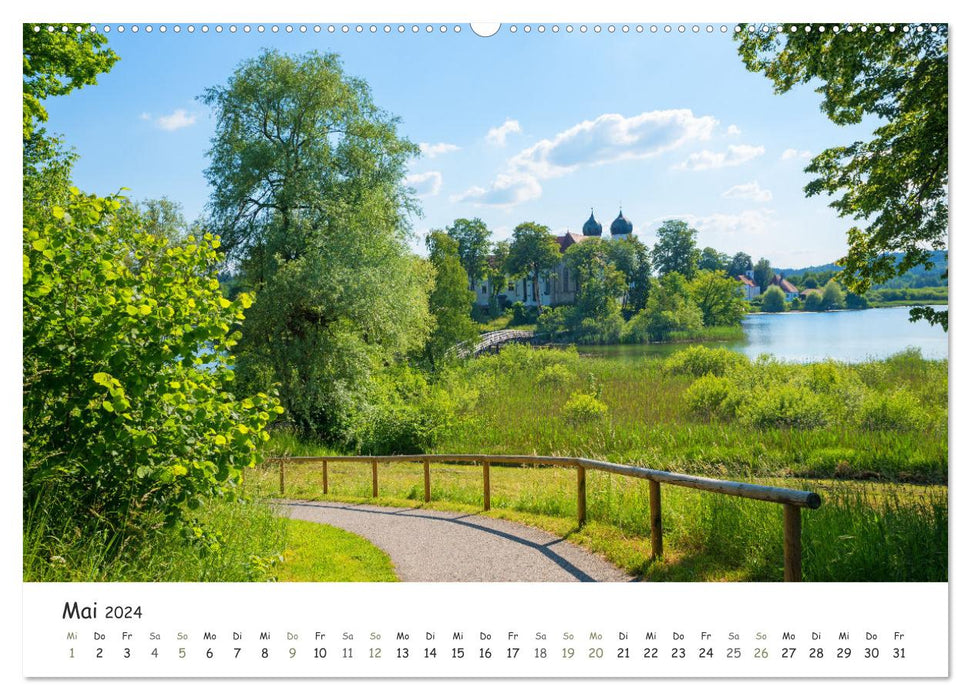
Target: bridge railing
(791, 500)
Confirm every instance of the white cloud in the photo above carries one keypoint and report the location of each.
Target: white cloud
(508, 189)
(145, 116)
(749, 190)
(707, 160)
(791, 153)
(497, 134)
(432, 150)
(613, 137)
(607, 139)
(179, 119)
(733, 130)
(425, 184)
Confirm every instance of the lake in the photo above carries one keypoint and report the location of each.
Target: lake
(848, 336)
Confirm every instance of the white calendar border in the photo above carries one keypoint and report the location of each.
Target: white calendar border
(508, 10)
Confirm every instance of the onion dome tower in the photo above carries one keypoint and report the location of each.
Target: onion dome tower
(621, 227)
(592, 227)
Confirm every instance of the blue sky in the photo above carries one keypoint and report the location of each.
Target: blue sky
(515, 127)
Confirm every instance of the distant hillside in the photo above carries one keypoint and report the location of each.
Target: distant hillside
(914, 278)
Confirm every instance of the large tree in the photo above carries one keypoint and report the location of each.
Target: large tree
(300, 152)
(718, 297)
(633, 259)
(308, 192)
(762, 273)
(896, 183)
(532, 253)
(449, 300)
(472, 236)
(676, 249)
(741, 263)
(711, 259)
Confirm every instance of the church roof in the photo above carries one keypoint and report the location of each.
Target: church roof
(621, 226)
(592, 227)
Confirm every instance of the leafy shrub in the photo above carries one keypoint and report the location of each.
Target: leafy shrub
(899, 410)
(713, 396)
(523, 315)
(128, 402)
(814, 301)
(555, 375)
(785, 406)
(698, 360)
(774, 300)
(584, 408)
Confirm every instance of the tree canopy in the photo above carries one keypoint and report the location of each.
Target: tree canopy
(301, 151)
(533, 252)
(896, 183)
(449, 301)
(676, 249)
(472, 237)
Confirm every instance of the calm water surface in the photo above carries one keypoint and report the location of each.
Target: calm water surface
(848, 336)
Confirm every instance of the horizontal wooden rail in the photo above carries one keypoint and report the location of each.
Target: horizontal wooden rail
(791, 499)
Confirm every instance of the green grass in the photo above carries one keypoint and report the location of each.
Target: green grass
(317, 552)
(235, 541)
(884, 513)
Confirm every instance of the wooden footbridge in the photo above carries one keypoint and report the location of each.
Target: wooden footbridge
(492, 341)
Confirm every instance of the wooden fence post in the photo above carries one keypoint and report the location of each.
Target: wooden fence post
(792, 542)
(657, 542)
(428, 481)
(323, 475)
(581, 495)
(374, 478)
(486, 487)
(282, 477)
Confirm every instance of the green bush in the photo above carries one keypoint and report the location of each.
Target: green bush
(774, 300)
(698, 360)
(712, 396)
(129, 408)
(785, 406)
(523, 315)
(899, 410)
(555, 375)
(584, 408)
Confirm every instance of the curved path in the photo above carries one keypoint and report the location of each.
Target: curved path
(431, 545)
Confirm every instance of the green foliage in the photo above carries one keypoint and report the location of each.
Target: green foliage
(899, 410)
(784, 405)
(774, 300)
(814, 301)
(897, 183)
(327, 322)
(58, 62)
(741, 263)
(712, 396)
(676, 249)
(555, 375)
(534, 252)
(449, 301)
(719, 298)
(711, 259)
(129, 408)
(584, 408)
(633, 259)
(669, 308)
(697, 361)
(762, 273)
(833, 297)
(523, 315)
(301, 152)
(472, 237)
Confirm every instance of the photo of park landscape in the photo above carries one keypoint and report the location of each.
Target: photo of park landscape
(561, 303)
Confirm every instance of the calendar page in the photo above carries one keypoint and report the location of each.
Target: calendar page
(399, 346)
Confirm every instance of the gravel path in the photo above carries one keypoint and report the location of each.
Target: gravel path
(431, 545)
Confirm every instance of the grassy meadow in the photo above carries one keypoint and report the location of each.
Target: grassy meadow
(870, 438)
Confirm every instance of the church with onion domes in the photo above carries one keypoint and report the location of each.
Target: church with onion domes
(559, 287)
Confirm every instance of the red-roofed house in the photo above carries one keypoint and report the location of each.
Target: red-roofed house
(749, 288)
(788, 288)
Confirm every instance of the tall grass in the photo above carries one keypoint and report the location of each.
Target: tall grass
(234, 541)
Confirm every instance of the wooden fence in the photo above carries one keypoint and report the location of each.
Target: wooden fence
(792, 501)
